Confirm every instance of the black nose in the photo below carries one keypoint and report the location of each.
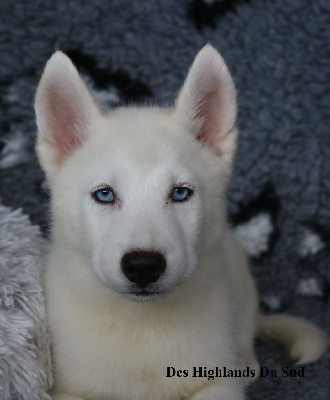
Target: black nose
(143, 267)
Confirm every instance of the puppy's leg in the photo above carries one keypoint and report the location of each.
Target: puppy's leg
(221, 391)
(63, 396)
(246, 348)
(244, 296)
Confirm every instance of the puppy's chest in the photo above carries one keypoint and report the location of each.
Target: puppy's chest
(132, 359)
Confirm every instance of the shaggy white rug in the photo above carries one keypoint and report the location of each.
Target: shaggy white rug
(25, 368)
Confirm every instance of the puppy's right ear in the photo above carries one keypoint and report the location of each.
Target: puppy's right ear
(64, 112)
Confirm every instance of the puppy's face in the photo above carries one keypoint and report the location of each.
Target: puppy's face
(134, 190)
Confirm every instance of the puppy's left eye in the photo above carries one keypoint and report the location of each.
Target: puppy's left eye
(181, 193)
(104, 195)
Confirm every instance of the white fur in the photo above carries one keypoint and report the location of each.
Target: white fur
(109, 343)
(306, 342)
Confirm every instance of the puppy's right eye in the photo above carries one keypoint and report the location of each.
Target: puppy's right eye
(104, 195)
(181, 194)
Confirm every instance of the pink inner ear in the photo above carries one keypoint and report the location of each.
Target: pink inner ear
(209, 114)
(67, 122)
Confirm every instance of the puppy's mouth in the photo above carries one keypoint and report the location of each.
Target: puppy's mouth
(145, 295)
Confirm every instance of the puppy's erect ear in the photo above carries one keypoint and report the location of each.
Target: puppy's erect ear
(64, 110)
(207, 103)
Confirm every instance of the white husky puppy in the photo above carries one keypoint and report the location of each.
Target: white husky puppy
(143, 273)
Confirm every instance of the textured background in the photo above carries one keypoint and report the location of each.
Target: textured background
(134, 51)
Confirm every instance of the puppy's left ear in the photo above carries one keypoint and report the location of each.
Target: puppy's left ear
(207, 103)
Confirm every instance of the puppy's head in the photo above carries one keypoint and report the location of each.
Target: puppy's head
(138, 191)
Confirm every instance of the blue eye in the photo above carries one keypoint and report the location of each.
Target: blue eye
(181, 193)
(104, 195)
